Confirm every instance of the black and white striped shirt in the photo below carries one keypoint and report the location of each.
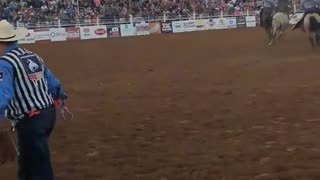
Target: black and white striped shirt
(29, 81)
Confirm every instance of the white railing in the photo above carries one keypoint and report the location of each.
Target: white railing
(58, 23)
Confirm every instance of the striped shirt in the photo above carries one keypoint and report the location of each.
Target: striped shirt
(31, 89)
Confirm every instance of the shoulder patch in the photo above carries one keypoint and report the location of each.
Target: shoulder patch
(33, 67)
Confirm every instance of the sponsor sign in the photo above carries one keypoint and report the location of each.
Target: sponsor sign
(128, 30)
(93, 32)
(166, 27)
(58, 34)
(241, 21)
(221, 23)
(177, 27)
(251, 21)
(231, 22)
(201, 24)
(29, 39)
(113, 31)
(211, 24)
(155, 28)
(295, 18)
(189, 26)
(142, 29)
(42, 34)
(73, 33)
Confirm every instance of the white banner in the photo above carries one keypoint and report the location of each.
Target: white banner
(201, 24)
(210, 25)
(128, 30)
(220, 23)
(251, 21)
(231, 22)
(42, 35)
(29, 39)
(58, 34)
(177, 27)
(93, 32)
(143, 29)
(189, 26)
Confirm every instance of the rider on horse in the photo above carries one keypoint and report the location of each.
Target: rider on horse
(267, 11)
(309, 6)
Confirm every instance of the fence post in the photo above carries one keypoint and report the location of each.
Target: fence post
(98, 21)
(221, 14)
(131, 19)
(194, 15)
(248, 13)
(294, 8)
(59, 23)
(164, 17)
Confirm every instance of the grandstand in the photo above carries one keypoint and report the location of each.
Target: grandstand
(48, 12)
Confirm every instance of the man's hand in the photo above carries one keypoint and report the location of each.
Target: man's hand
(7, 148)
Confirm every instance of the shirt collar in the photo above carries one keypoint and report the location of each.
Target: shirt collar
(11, 47)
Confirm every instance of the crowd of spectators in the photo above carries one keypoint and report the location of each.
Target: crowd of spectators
(33, 11)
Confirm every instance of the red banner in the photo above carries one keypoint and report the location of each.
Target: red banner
(155, 28)
(73, 33)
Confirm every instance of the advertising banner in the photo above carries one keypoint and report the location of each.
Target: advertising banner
(241, 21)
(201, 24)
(73, 33)
(42, 34)
(155, 28)
(210, 24)
(113, 31)
(251, 21)
(221, 23)
(177, 27)
(189, 26)
(231, 23)
(142, 29)
(58, 34)
(29, 39)
(127, 30)
(93, 32)
(166, 27)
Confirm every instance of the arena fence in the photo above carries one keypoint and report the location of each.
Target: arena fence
(136, 27)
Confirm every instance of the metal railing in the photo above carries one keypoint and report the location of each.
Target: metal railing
(57, 23)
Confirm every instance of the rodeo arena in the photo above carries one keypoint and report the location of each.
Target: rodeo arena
(175, 89)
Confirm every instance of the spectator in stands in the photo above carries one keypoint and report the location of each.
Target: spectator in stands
(34, 11)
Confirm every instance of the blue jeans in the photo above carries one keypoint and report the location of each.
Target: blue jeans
(33, 135)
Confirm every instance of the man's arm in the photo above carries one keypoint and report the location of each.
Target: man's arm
(6, 86)
(54, 86)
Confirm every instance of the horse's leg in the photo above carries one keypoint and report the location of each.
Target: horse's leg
(311, 39)
(317, 39)
(280, 35)
(270, 36)
(267, 34)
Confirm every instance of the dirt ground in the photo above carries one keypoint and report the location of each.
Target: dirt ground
(216, 105)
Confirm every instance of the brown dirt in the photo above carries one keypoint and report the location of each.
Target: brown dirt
(216, 105)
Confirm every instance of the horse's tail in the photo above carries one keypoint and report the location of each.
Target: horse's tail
(311, 22)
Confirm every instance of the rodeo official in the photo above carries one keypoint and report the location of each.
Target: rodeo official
(29, 97)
